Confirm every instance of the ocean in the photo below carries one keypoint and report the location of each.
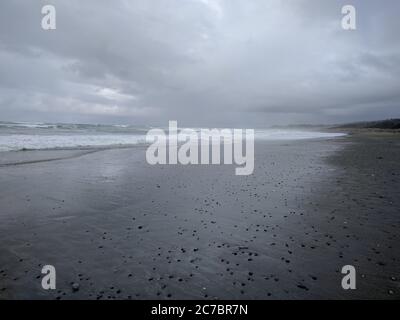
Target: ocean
(16, 136)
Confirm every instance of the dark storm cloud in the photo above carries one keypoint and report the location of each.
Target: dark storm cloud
(202, 62)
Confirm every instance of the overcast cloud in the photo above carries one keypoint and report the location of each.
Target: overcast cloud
(201, 62)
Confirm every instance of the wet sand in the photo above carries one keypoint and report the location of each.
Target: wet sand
(122, 229)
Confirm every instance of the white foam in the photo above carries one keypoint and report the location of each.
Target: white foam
(274, 134)
(20, 141)
(12, 142)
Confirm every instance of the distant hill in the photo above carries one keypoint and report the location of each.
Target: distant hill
(390, 124)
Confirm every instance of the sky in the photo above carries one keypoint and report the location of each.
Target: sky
(200, 62)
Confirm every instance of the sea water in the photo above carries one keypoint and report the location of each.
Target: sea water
(37, 136)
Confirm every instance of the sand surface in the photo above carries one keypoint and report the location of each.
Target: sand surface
(122, 229)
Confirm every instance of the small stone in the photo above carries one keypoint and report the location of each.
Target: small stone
(301, 286)
(75, 287)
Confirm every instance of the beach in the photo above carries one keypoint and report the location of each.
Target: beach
(115, 227)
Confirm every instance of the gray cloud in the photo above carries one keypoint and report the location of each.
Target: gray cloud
(202, 62)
